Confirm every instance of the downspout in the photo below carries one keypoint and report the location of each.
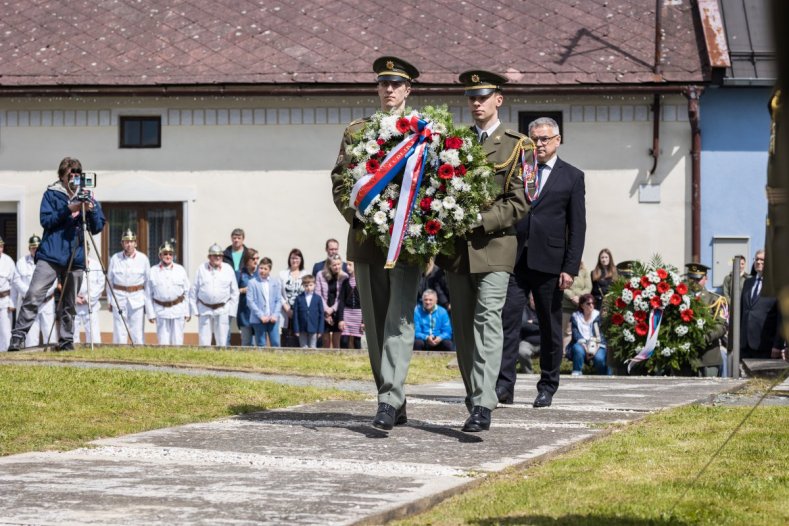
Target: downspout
(693, 94)
(655, 150)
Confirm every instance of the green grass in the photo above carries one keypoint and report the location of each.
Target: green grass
(635, 475)
(345, 365)
(49, 407)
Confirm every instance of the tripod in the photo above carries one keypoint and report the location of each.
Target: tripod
(86, 234)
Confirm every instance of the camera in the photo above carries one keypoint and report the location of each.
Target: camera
(81, 182)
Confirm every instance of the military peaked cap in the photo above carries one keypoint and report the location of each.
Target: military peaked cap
(394, 69)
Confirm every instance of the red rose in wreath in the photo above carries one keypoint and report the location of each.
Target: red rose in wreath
(641, 328)
(686, 315)
(663, 287)
(453, 143)
(682, 288)
(617, 319)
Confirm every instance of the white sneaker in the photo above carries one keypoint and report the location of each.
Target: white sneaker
(577, 373)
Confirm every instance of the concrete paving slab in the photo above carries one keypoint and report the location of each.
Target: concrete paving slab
(321, 463)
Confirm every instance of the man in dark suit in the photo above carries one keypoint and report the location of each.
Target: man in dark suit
(759, 336)
(550, 245)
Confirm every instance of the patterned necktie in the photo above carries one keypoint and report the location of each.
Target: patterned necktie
(483, 137)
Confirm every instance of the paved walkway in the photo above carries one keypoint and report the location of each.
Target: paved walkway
(321, 463)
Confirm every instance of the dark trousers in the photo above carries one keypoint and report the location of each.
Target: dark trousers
(44, 275)
(443, 345)
(548, 304)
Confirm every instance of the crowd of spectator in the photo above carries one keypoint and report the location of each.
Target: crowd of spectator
(296, 308)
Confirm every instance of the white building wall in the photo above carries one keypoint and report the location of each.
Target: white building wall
(263, 164)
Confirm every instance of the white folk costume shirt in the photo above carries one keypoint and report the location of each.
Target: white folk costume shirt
(7, 273)
(213, 286)
(24, 270)
(167, 284)
(128, 271)
(96, 277)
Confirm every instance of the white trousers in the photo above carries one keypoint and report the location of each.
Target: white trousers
(134, 319)
(218, 326)
(90, 324)
(42, 323)
(5, 329)
(170, 331)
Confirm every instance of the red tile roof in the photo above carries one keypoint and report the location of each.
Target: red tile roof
(288, 42)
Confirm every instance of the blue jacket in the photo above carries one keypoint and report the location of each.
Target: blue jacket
(63, 231)
(242, 316)
(257, 303)
(308, 319)
(434, 323)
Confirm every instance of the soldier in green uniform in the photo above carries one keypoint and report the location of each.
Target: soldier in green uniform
(478, 271)
(714, 356)
(387, 296)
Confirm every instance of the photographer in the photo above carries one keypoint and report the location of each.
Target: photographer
(61, 255)
(587, 344)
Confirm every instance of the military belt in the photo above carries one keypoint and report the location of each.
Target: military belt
(133, 288)
(213, 306)
(172, 303)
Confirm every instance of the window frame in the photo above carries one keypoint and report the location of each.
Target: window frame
(123, 120)
(112, 246)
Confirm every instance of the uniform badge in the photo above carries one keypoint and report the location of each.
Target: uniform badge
(475, 78)
(389, 64)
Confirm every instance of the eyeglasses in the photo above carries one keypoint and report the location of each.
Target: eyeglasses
(544, 140)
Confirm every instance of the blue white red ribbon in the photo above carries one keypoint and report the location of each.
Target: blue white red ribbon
(408, 157)
(655, 317)
(530, 172)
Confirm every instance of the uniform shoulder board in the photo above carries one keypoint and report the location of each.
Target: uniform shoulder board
(513, 133)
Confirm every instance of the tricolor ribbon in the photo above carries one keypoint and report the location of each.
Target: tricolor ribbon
(408, 157)
(655, 317)
(530, 172)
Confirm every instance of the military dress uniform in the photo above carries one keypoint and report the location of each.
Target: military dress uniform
(45, 318)
(714, 356)
(7, 273)
(88, 306)
(213, 297)
(127, 276)
(478, 271)
(387, 295)
(167, 300)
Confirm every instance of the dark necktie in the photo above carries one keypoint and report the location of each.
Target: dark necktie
(483, 137)
(757, 288)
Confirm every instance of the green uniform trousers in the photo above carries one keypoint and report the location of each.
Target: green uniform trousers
(477, 300)
(388, 299)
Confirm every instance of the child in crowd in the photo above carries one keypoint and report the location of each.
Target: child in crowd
(349, 312)
(308, 322)
(264, 297)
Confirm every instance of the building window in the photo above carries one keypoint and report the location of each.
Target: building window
(141, 132)
(153, 223)
(526, 117)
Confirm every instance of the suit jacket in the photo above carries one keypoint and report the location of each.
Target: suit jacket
(493, 246)
(308, 319)
(759, 327)
(257, 302)
(555, 227)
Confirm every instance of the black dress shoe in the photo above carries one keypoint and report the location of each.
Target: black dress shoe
(543, 399)
(504, 396)
(478, 421)
(401, 417)
(17, 343)
(385, 417)
(65, 346)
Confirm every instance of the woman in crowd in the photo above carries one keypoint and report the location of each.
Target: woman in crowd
(290, 279)
(328, 283)
(588, 342)
(247, 270)
(571, 300)
(349, 312)
(603, 275)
